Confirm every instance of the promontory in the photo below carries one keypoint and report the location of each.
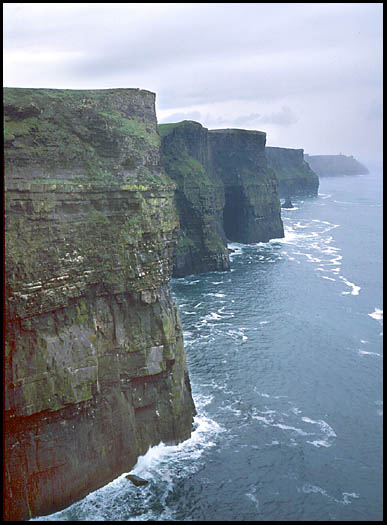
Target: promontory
(95, 369)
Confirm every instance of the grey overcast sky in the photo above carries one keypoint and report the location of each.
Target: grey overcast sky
(308, 74)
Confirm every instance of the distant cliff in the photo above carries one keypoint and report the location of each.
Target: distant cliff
(295, 177)
(199, 198)
(252, 211)
(224, 192)
(95, 368)
(335, 165)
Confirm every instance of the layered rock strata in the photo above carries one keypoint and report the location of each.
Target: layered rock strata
(335, 165)
(295, 177)
(95, 369)
(200, 199)
(224, 193)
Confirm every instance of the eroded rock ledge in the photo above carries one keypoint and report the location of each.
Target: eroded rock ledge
(95, 368)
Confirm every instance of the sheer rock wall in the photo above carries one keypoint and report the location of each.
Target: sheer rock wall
(95, 369)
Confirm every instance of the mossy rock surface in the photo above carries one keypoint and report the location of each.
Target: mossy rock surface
(95, 369)
(199, 199)
(87, 136)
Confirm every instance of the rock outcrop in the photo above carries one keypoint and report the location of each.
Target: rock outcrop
(252, 211)
(335, 165)
(295, 176)
(224, 192)
(95, 369)
(287, 204)
(202, 245)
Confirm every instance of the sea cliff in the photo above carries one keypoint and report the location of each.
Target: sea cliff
(252, 211)
(225, 192)
(295, 176)
(199, 198)
(335, 165)
(95, 368)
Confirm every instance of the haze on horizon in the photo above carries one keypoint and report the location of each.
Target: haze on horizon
(309, 75)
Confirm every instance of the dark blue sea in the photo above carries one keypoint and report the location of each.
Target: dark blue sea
(285, 359)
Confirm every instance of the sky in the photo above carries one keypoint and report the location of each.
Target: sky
(307, 74)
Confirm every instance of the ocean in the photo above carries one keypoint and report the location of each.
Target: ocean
(285, 360)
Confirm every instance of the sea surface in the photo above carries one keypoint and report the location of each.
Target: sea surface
(285, 360)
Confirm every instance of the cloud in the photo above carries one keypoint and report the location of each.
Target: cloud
(178, 117)
(284, 117)
(313, 68)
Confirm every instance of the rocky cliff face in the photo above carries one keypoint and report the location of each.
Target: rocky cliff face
(199, 199)
(224, 192)
(335, 165)
(295, 176)
(95, 368)
(252, 210)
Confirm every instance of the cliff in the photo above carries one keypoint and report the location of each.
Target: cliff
(335, 165)
(295, 176)
(252, 211)
(199, 199)
(95, 368)
(224, 192)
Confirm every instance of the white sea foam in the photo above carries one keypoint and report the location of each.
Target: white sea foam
(213, 315)
(324, 195)
(325, 428)
(308, 256)
(237, 249)
(237, 335)
(328, 278)
(343, 202)
(201, 438)
(347, 495)
(377, 314)
(363, 352)
(267, 395)
(319, 443)
(265, 420)
(355, 289)
(187, 282)
(253, 498)
(288, 427)
(314, 489)
(335, 271)
(336, 260)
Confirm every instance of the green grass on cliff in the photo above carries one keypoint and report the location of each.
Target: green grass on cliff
(186, 170)
(166, 129)
(88, 135)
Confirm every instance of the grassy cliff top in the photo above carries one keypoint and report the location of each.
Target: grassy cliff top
(19, 94)
(99, 134)
(238, 130)
(166, 129)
